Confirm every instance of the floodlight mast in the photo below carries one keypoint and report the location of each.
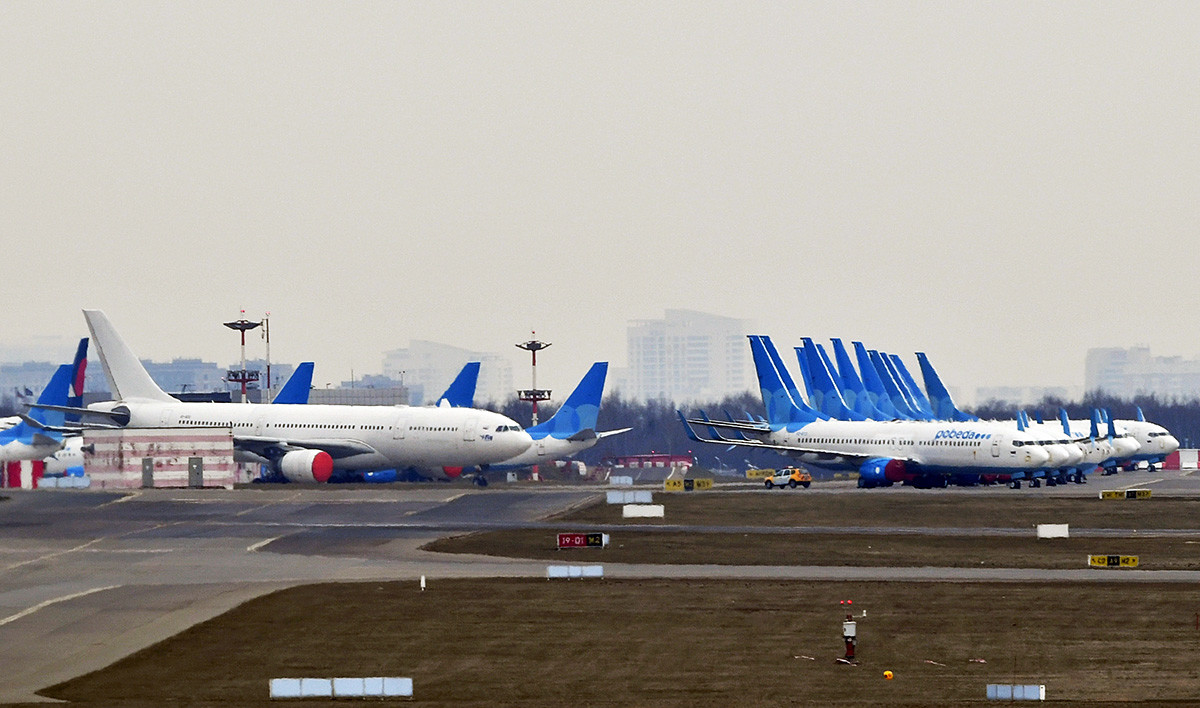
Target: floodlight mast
(535, 394)
(242, 376)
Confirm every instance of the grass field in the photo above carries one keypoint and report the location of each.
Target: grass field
(676, 643)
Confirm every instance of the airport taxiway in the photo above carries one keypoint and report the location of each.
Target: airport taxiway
(89, 577)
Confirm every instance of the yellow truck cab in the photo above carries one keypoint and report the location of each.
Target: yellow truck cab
(790, 477)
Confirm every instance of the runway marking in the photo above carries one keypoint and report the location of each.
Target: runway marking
(125, 498)
(270, 503)
(1132, 486)
(46, 603)
(255, 546)
(48, 556)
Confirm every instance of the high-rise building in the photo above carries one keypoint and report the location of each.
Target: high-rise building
(1130, 372)
(687, 356)
(433, 366)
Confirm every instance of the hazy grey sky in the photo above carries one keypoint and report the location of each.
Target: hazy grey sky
(1003, 185)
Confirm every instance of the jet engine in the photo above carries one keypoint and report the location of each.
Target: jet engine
(306, 466)
(881, 472)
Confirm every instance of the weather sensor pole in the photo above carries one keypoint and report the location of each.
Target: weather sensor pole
(241, 375)
(535, 394)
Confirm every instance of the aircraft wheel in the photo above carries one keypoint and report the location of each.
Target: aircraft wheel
(481, 481)
(1015, 484)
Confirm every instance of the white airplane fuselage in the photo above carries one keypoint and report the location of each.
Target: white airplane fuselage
(399, 436)
(936, 447)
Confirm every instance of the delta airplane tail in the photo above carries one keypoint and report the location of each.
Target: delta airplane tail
(576, 419)
(295, 389)
(461, 392)
(939, 397)
(126, 375)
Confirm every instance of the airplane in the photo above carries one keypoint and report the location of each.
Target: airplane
(572, 428)
(920, 453)
(306, 443)
(461, 391)
(1155, 442)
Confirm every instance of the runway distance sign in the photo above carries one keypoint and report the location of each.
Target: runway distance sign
(1125, 494)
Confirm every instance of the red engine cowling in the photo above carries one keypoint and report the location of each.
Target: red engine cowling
(452, 472)
(306, 466)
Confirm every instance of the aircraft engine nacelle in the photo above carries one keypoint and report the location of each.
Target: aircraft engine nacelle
(452, 472)
(879, 471)
(306, 466)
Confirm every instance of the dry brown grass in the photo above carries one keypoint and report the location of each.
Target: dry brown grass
(677, 643)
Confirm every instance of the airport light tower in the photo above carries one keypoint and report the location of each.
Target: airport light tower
(535, 394)
(242, 376)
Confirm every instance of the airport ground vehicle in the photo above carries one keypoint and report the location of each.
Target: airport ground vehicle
(789, 477)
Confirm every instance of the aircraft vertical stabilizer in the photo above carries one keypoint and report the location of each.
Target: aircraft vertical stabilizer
(126, 375)
(806, 413)
(295, 389)
(939, 397)
(853, 390)
(829, 401)
(781, 408)
(874, 385)
(579, 412)
(461, 391)
(891, 387)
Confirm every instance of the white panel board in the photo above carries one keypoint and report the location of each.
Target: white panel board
(373, 686)
(593, 571)
(316, 688)
(1053, 531)
(393, 686)
(285, 688)
(349, 687)
(642, 511)
(642, 496)
(557, 571)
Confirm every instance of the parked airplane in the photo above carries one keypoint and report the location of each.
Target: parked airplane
(921, 453)
(1155, 442)
(306, 443)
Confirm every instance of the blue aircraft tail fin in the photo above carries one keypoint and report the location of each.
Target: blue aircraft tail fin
(1141, 418)
(1066, 422)
(1095, 424)
(56, 393)
(581, 409)
(853, 390)
(828, 400)
(781, 408)
(461, 392)
(890, 387)
(909, 384)
(939, 396)
(874, 385)
(295, 389)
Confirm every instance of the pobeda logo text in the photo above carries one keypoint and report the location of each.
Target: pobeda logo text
(960, 435)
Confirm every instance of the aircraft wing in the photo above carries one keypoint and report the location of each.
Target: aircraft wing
(337, 448)
(39, 425)
(742, 426)
(743, 441)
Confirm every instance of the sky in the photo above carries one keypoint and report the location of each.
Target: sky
(1003, 185)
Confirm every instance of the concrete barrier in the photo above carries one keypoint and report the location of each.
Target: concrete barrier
(641, 496)
(642, 511)
(574, 571)
(621, 481)
(1016, 692)
(1053, 531)
(342, 687)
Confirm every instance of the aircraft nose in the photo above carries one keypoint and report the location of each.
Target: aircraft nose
(1169, 443)
(516, 443)
(1039, 456)
(1057, 456)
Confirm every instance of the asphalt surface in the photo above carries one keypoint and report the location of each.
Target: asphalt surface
(87, 578)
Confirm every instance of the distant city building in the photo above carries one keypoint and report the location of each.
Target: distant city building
(687, 356)
(398, 396)
(433, 366)
(1126, 373)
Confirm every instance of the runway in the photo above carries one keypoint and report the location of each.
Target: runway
(89, 577)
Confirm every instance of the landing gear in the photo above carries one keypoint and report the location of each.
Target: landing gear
(1035, 483)
(1015, 484)
(480, 481)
